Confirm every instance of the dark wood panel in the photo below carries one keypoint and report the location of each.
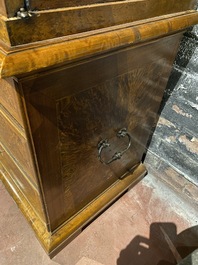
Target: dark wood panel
(9, 8)
(83, 120)
(43, 123)
(10, 99)
(72, 109)
(69, 81)
(29, 190)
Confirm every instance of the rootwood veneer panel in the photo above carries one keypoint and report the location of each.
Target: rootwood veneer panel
(71, 114)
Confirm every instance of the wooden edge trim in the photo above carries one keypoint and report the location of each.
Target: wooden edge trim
(25, 61)
(54, 242)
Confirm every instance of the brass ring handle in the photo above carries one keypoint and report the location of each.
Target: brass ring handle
(104, 144)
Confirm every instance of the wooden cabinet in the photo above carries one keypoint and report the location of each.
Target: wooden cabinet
(77, 111)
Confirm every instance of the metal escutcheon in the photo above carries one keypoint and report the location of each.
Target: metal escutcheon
(104, 144)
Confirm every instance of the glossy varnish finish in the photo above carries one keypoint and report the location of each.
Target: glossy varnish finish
(46, 24)
(61, 97)
(9, 8)
(61, 51)
(77, 113)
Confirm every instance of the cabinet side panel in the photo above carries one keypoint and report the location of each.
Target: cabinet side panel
(71, 109)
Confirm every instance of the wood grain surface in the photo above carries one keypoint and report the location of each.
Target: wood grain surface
(32, 58)
(72, 108)
(46, 24)
(78, 75)
(9, 8)
(48, 4)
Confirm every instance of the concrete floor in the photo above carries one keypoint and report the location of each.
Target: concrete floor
(150, 225)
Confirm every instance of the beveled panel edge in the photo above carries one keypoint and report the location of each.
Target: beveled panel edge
(54, 242)
(15, 63)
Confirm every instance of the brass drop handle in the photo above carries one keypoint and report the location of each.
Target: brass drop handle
(104, 144)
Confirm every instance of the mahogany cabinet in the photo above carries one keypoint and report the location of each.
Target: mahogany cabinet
(80, 89)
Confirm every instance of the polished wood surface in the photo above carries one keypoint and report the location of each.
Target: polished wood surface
(32, 58)
(9, 8)
(71, 114)
(83, 73)
(46, 24)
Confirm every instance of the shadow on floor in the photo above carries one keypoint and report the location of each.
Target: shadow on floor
(164, 246)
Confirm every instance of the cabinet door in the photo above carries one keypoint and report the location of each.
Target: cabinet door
(73, 108)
